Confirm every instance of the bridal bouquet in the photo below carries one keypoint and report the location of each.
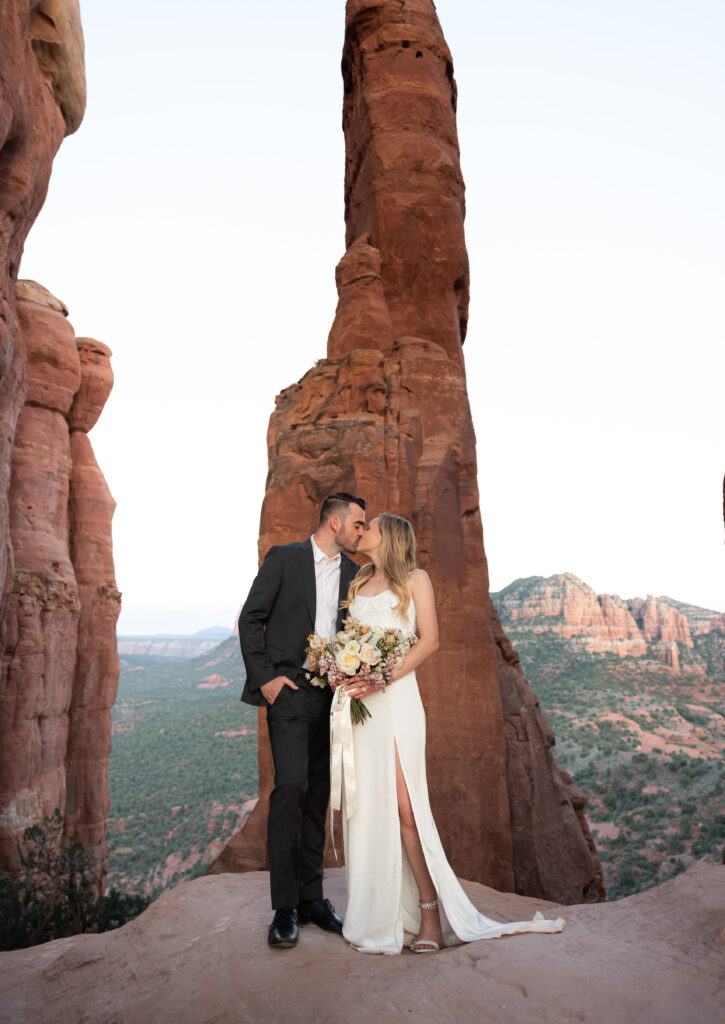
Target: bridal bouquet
(369, 652)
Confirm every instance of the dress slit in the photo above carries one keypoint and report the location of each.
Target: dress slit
(422, 814)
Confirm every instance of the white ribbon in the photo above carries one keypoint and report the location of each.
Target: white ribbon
(342, 759)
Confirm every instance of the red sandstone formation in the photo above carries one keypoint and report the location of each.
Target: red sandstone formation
(40, 606)
(660, 621)
(195, 955)
(386, 415)
(717, 625)
(546, 846)
(95, 678)
(668, 653)
(60, 663)
(32, 127)
(58, 600)
(567, 606)
(600, 623)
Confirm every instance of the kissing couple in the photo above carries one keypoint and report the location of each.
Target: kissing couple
(402, 891)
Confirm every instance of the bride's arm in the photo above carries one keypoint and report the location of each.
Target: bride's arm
(421, 590)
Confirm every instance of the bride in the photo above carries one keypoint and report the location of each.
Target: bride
(401, 889)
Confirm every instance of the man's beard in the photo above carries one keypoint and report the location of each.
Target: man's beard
(350, 547)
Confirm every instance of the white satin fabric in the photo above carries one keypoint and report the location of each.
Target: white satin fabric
(342, 759)
(382, 911)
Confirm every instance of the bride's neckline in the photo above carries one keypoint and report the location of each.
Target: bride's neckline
(370, 597)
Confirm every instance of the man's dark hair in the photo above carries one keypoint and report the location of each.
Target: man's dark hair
(338, 504)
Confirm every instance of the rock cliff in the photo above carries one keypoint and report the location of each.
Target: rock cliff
(658, 621)
(570, 606)
(58, 598)
(386, 415)
(717, 625)
(602, 623)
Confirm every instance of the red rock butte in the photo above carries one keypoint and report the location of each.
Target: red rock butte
(386, 415)
(58, 596)
(601, 623)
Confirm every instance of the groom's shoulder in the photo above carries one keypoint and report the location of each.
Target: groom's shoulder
(281, 550)
(347, 561)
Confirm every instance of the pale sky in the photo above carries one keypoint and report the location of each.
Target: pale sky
(194, 222)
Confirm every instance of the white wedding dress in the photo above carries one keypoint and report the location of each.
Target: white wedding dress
(382, 912)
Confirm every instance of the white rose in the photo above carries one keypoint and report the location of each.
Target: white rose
(348, 661)
(369, 654)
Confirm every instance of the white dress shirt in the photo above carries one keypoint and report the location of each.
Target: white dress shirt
(327, 578)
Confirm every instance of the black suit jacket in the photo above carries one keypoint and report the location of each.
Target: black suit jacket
(279, 615)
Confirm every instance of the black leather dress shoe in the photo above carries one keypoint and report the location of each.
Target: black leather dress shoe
(320, 912)
(283, 930)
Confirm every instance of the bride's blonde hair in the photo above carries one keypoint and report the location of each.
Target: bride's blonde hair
(397, 560)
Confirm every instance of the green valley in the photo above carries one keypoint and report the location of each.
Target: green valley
(643, 740)
(183, 767)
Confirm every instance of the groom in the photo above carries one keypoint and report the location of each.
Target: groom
(297, 591)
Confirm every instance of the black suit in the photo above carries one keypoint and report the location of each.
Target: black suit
(277, 618)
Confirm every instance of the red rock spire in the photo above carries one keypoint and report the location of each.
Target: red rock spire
(386, 416)
(403, 181)
(58, 598)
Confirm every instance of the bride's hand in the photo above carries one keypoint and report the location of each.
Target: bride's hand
(357, 687)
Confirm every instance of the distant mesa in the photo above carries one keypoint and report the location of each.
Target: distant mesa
(654, 627)
(173, 645)
(212, 633)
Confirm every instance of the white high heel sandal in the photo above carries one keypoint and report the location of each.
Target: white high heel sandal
(426, 945)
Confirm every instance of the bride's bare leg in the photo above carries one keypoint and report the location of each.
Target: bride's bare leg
(430, 923)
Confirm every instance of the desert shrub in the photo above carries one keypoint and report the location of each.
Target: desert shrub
(53, 895)
(685, 829)
(675, 844)
(696, 717)
(711, 837)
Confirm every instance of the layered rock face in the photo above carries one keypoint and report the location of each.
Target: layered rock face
(600, 623)
(386, 415)
(604, 622)
(717, 625)
(42, 98)
(96, 668)
(60, 664)
(58, 600)
(660, 622)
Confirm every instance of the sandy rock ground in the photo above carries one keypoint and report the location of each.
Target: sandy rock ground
(199, 956)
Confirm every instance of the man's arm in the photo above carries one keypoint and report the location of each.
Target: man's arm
(253, 618)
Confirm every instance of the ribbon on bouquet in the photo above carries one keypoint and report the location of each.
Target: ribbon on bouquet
(342, 759)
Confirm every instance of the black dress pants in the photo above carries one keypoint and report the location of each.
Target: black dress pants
(299, 733)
